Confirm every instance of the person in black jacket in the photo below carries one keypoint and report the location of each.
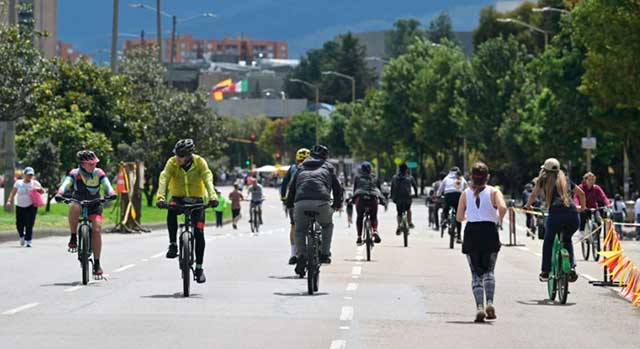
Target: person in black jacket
(301, 155)
(310, 190)
(401, 185)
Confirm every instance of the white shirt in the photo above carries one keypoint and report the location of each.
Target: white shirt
(637, 206)
(618, 206)
(452, 184)
(255, 193)
(22, 194)
(486, 212)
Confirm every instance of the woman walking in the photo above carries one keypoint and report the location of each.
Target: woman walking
(484, 208)
(25, 209)
(219, 210)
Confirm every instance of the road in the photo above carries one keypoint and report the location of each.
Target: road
(414, 297)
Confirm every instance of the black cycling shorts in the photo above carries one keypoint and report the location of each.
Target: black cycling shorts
(402, 206)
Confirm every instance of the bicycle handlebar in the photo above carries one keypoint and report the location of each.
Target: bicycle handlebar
(87, 202)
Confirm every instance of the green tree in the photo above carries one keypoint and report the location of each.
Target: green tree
(403, 34)
(49, 167)
(440, 29)
(301, 130)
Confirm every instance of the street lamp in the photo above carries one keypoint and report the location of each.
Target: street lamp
(158, 21)
(353, 82)
(310, 85)
(550, 9)
(531, 27)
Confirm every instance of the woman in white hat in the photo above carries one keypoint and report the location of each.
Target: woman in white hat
(556, 188)
(25, 209)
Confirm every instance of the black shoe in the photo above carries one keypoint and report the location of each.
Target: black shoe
(301, 265)
(97, 271)
(73, 244)
(359, 241)
(235, 226)
(458, 241)
(398, 231)
(573, 276)
(173, 251)
(293, 260)
(376, 238)
(325, 259)
(411, 226)
(199, 275)
(544, 276)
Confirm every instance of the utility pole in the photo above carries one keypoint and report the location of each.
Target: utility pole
(626, 169)
(159, 22)
(9, 132)
(173, 50)
(317, 116)
(114, 37)
(12, 12)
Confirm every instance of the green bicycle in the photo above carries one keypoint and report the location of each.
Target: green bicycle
(559, 274)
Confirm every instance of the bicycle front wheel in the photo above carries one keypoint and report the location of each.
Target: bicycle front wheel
(595, 245)
(367, 240)
(84, 251)
(185, 263)
(405, 235)
(585, 246)
(452, 235)
(562, 280)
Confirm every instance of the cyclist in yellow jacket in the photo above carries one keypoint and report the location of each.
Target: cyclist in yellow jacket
(190, 181)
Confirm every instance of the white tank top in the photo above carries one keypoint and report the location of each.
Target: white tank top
(486, 212)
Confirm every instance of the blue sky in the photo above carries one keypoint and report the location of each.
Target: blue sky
(304, 24)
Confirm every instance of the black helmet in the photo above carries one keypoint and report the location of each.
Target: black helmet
(320, 152)
(365, 167)
(87, 156)
(184, 147)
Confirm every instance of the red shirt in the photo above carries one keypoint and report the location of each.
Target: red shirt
(595, 196)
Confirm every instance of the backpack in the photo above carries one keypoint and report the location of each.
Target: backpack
(403, 188)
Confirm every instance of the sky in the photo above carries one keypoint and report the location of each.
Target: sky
(303, 24)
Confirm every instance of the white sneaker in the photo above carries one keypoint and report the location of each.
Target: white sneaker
(22, 242)
(28, 243)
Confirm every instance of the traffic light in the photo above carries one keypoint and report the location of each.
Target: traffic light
(247, 163)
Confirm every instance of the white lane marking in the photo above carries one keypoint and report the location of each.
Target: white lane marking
(345, 328)
(20, 308)
(74, 288)
(338, 344)
(538, 254)
(358, 263)
(124, 268)
(588, 277)
(145, 259)
(346, 314)
(348, 298)
(157, 255)
(356, 270)
(355, 276)
(352, 286)
(523, 248)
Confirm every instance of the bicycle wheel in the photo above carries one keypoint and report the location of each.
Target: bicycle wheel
(367, 239)
(595, 245)
(585, 244)
(563, 281)
(405, 235)
(84, 251)
(311, 269)
(551, 286)
(443, 226)
(185, 263)
(452, 234)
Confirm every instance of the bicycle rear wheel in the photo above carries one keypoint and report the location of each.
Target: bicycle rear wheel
(551, 287)
(585, 246)
(84, 250)
(595, 245)
(311, 270)
(405, 235)
(368, 242)
(452, 235)
(185, 263)
(562, 280)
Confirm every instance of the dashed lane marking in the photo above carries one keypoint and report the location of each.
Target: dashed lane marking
(157, 255)
(588, 277)
(20, 308)
(346, 314)
(338, 344)
(352, 286)
(129, 266)
(356, 270)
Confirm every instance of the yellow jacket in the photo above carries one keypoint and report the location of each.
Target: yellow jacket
(191, 183)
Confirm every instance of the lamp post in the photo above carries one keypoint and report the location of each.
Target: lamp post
(550, 9)
(353, 82)
(114, 36)
(531, 27)
(310, 85)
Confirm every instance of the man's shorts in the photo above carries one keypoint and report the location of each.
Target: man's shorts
(402, 207)
(235, 212)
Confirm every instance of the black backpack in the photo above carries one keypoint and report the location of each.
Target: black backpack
(403, 188)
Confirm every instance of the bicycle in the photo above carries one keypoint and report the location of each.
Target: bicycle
(254, 216)
(368, 240)
(313, 241)
(404, 228)
(449, 224)
(591, 241)
(559, 274)
(186, 250)
(84, 233)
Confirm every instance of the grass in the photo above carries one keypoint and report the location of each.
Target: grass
(56, 218)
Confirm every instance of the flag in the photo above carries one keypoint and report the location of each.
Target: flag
(238, 87)
(216, 92)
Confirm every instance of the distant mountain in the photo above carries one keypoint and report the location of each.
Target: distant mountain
(304, 24)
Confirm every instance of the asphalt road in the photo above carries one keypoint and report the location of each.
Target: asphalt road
(415, 297)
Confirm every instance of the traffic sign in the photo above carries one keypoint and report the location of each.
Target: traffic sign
(588, 142)
(412, 164)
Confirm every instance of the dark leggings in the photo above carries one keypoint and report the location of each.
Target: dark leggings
(25, 219)
(197, 221)
(451, 201)
(218, 219)
(566, 222)
(361, 205)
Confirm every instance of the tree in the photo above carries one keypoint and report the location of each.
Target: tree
(610, 30)
(301, 130)
(335, 138)
(403, 34)
(272, 138)
(441, 29)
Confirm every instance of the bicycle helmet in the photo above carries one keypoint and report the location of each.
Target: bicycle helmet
(365, 167)
(302, 154)
(87, 156)
(320, 152)
(184, 147)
